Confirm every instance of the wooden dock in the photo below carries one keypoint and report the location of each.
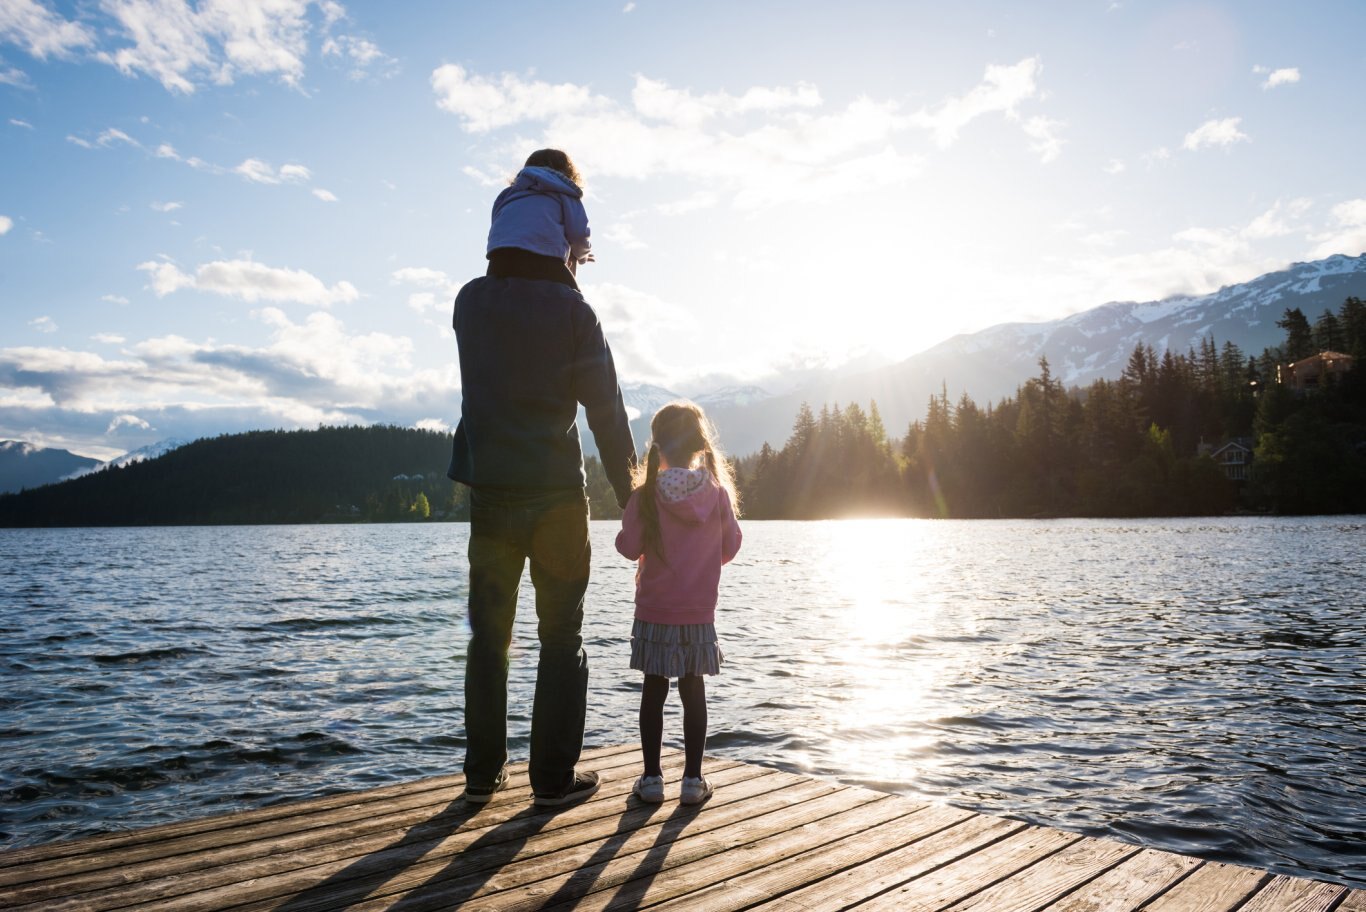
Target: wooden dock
(766, 840)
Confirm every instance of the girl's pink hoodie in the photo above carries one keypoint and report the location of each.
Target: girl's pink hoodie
(698, 534)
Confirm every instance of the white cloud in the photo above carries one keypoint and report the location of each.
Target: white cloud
(166, 150)
(260, 172)
(108, 338)
(249, 281)
(43, 324)
(1215, 133)
(1278, 221)
(1283, 76)
(178, 45)
(41, 32)
(1002, 90)
(327, 196)
(424, 301)
(1348, 232)
(6, 223)
(20, 123)
(630, 7)
(755, 148)
(308, 372)
(433, 424)
(485, 103)
(1042, 132)
(423, 277)
(13, 76)
(657, 101)
(122, 421)
(1114, 166)
(625, 235)
(113, 299)
(167, 207)
(364, 55)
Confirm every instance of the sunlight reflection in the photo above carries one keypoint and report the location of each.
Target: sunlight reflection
(891, 606)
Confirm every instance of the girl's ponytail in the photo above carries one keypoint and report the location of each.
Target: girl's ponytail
(649, 509)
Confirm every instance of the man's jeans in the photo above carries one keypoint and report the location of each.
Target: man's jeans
(551, 529)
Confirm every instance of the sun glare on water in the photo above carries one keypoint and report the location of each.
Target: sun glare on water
(887, 644)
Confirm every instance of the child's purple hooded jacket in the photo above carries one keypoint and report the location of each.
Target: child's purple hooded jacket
(541, 212)
(698, 534)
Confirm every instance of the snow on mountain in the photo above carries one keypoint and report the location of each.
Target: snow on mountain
(732, 396)
(151, 451)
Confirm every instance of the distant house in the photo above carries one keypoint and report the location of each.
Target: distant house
(1315, 371)
(1234, 458)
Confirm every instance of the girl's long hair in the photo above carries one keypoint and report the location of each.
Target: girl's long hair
(680, 432)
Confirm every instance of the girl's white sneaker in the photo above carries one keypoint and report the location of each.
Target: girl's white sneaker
(694, 791)
(649, 788)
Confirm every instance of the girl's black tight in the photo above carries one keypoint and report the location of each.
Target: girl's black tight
(692, 689)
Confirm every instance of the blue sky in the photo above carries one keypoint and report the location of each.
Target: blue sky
(254, 213)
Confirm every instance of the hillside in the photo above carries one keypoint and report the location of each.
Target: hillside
(258, 477)
(23, 465)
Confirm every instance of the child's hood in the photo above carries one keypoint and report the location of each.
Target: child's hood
(694, 509)
(538, 179)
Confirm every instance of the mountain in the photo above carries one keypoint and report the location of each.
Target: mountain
(331, 473)
(992, 363)
(23, 465)
(151, 451)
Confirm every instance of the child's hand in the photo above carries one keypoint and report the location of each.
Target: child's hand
(588, 258)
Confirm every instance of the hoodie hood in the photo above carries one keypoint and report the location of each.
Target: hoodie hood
(690, 496)
(537, 179)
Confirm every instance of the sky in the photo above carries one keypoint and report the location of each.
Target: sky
(238, 214)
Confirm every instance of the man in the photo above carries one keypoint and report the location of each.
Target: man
(531, 351)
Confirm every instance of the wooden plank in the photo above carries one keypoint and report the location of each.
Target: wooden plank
(896, 867)
(1127, 886)
(198, 850)
(1294, 894)
(740, 890)
(506, 850)
(508, 818)
(302, 807)
(945, 886)
(1048, 880)
(546, 880)
(642, 887)
(1355, 902)
(1212, 887)
(265, 840)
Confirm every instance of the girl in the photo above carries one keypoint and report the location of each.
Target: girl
(540, 228)
(680, 527)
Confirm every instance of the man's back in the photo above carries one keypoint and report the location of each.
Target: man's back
(531, 352)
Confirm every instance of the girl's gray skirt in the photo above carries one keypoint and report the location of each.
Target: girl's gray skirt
(675, 650)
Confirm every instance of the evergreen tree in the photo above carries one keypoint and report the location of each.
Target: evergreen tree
(1299, 337)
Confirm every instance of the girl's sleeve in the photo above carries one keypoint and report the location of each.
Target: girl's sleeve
(631, 538)
(730, 530)
(576, 230)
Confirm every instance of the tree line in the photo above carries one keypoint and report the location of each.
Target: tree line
(1126, 447)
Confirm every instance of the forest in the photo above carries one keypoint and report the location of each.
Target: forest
(1129, 447)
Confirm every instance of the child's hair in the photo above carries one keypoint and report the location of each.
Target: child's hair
(680, 432)
(555, 160)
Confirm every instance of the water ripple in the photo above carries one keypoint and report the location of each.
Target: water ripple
(1195, 685)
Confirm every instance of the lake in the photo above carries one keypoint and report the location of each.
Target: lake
(1197, 685)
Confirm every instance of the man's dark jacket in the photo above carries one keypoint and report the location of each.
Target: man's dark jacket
(530, 353)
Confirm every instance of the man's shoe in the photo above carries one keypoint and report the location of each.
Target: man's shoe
(694, 791)
(649, 789)
(483, 794)
(583, 786)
